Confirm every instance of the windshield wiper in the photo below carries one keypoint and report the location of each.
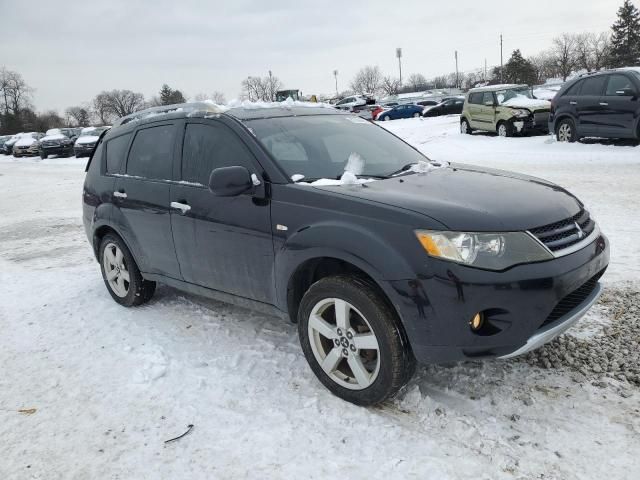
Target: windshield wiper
(403, 169)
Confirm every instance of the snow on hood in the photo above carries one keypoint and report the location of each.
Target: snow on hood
(53, 131)
(87, 139)
(54, 136)
(525, 102)
(25, 142)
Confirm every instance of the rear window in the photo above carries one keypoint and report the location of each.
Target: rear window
(618, 83)
(116, 152)
(151, 153)
(593, 85)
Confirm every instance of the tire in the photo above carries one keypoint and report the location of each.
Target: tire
(386, 118)
(43, 156)
(505, 129)
(416, 115)
(129, 293)
(465, 128)
(382, 370)
(566, 131)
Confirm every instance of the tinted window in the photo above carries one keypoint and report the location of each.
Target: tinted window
(593, 86)
(151, 153)
(116, 152)
(617, 83)
(573, 89)
(207, 147)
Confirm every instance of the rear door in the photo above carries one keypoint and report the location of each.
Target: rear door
(588, 108)
(222, 243)
(619, 106)
(142, 197)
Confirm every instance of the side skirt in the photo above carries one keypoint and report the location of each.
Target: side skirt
(192, 288)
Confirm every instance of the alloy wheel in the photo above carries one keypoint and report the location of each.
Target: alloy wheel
(502, 130)
(564, 132)
(115, 270)
(463, 127)
(344, 344)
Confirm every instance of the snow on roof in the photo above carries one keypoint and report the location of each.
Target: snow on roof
(288, 103)
(502, 86)
(206, 106)
(53, 131)
(87, 129)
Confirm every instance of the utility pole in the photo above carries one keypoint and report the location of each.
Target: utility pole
(501, 64)
(399, 55)
(484, 78)
(457, 78)
(335, 74)
(272, 94)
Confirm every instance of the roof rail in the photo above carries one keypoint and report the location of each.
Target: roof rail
(188, 108)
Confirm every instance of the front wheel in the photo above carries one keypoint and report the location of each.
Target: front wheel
(121, 274)
(43, 156)
(416, 115)
(353, 340)
(505, 129)
(465, 128)
(386, 118)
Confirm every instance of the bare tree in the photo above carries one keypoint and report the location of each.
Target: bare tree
(440, 81)
(416, 81)
(600, 49)
(216, 97)
(15, 93)
(264, 89)
(117, 103)
(564, 55)
(390, 85)
(368, 80)
(79, 115)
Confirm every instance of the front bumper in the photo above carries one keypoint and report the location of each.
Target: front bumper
(80, 150)
(57, 150)
(519, 304)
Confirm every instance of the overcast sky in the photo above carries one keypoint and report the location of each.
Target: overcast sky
(69, 51)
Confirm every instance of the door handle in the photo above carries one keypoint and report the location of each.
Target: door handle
(183, 207)
(120, 194)
(573, 103)
(604, 104)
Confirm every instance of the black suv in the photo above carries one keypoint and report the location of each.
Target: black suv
(381, 256)
(602, 104)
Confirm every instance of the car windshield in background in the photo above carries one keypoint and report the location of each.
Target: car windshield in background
(320, 146)
(506, 95)
(93, 133)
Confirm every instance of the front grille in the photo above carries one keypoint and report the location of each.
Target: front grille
(573, 299)
(560, 235)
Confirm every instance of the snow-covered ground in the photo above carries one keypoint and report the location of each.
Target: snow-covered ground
(109, 385)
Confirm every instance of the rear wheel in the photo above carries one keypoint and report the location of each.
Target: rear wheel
(465, 128)
(121, 274)
(43, 156)
(416, 115)
(353, 340)
(566, 131)
(386, 118)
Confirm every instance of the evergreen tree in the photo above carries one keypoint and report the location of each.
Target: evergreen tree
(169, 96)
(519, 70)
(625, 40)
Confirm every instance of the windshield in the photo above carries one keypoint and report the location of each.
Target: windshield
(506, 95)
(320, 146)
(93, 133)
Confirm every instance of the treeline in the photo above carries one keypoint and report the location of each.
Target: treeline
(568, 54)
(17, 113)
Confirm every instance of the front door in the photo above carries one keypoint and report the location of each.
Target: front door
(141, 197)
(619, 104)
(223, 243)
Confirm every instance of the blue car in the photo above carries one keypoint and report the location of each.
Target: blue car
(401, 111)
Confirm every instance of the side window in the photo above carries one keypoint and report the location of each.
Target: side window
(210, 146)
(574, 89)
(475, 98)
(593, 85)
(617, 83)
(487, 97)
(151, 153)
(116, 152)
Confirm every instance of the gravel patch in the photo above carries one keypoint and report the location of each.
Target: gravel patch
(613, 351)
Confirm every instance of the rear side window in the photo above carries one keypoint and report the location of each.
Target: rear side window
(487, 97)
(618, 83)
(593, 85)
(151, 153)
(573, 89)
(475, 98)
(116, 152)
(210, 146)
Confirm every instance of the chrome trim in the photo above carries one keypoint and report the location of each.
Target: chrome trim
(551, 331)
(573, 248)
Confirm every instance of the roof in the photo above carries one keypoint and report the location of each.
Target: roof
(495, 88)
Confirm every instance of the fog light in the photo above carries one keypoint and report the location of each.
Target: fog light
(476, 322)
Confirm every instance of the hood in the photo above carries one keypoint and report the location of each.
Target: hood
(467, 198)
(25, 142)
(528, 103)
(54, 136)
(87, 139)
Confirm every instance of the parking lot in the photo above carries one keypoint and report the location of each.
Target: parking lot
(109, 385)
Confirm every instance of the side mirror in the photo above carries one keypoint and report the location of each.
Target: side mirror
(230, 181)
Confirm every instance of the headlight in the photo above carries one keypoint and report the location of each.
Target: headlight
(521, 113)
(493, 251)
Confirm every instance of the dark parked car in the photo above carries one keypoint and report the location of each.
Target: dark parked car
(602, 104)
(3, 140)
(401, 111)
(447, 107)
(58, 141)
(87, 140)
(421, 262)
